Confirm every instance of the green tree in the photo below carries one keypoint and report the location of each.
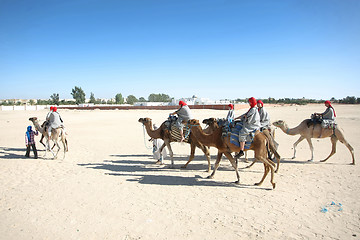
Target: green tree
(78, 94)
(55, 99)
(119, 98)
(32, 102)
(92, 98)
(159, 97)
(142, 99)
(131, 99)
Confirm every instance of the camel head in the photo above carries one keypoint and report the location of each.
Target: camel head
(193, 122)
(33, 119)
(211, 122)
(279, 123)
(145, 121)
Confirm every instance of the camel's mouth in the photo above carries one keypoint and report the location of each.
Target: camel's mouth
(33, 119)
(278, 123)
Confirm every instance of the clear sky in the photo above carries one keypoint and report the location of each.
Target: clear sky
(218, 49)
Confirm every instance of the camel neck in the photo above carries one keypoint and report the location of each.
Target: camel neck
(152, 133)
(204, 138)
(38, 127)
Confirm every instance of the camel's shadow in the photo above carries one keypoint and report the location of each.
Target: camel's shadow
(147, 172)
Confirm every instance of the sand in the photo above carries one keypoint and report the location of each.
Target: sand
(108, 186)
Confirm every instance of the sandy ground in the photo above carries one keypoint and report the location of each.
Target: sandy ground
(108, 186)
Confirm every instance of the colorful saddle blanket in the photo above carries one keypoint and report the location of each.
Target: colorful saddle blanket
(234, 135)
(175, 132)
(176, 135)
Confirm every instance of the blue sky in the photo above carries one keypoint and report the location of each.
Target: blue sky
(218, 49)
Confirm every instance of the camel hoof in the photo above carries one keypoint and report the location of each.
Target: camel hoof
(210, 177)
(274, 185)
(237, 182)
(293, 157)
(311, 160)
(352, 163)
(183, 166)
(257, 184)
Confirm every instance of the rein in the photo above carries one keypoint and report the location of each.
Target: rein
(144, 138)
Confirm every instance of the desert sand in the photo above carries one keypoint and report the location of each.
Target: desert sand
(108, 186)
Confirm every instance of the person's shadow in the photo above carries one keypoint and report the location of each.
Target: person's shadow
(8, 153)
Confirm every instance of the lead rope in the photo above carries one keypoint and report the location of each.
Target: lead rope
(188, 133)
(145, 139)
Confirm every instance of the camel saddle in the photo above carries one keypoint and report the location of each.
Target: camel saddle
(234, 135)
(170, 123)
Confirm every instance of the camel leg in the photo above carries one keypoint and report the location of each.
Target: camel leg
(207, 154)
(311, 149)
(57, 152)
(255, 160)
(160, 152)
(167, 142)
(296, 143)
(267, 167)
(41, 140)
(65, 146)
(351, 151)
(48, 146)
(266, 170)
(277, 156)
(234, 164)
(217, 164)
(333, 147)
(246, 158)
(192, 154)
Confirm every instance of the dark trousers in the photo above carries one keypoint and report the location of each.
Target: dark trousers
(28, 150)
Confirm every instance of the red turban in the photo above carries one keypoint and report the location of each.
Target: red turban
(252, 102)
(231, 106)
(182, 103)
(328, 102)
(54, 109)
(261, 102)
(51, 108)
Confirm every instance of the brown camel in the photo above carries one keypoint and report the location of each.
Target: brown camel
(224, 146)
(163, 133)
(55, 135)
(315, 131)
(212, 123)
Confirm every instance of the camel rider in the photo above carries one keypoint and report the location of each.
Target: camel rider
(251, 122)
(264, 115)
(45, 124)
(184, 114)
(55, 121)
(49, 113)
(265, 122)
(230, 116)
(328, 117)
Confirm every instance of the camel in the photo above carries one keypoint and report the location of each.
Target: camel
(224, 146)
(163, 133)
(55, 135)
(212, 123)
(315, 131)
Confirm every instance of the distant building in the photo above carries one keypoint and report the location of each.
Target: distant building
(194, 100)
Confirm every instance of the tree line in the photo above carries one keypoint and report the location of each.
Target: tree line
(79, 97)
